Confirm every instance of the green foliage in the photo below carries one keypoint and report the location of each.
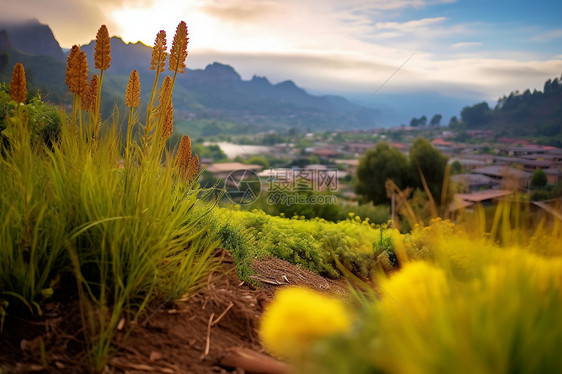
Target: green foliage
(258, 160)
(384, 162)
(428, 163)
(44, 119)
(529, 114)
(538, 179)
(503, 298)
(476, 115)
(238, 242)
(313, 244)
(422, 121)
(436, 120)
(116, 236)
(209, 151)
(378, 165)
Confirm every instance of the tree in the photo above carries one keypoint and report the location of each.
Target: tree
(538, 180)
(436, 120)
(476, 115)
(375, 167)
(428, 161)
(454, 122)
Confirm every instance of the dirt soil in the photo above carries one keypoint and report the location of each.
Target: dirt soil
(214, 331)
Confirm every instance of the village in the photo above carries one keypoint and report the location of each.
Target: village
(484, 170)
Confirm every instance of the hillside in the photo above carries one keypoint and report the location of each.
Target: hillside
(208, 101)
(521, 114)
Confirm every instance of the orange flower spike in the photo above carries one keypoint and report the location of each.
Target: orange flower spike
(69, 62)
(184, 153)
(79, 74)
(18, 91)
(158, 62)
(164, 97)
(192, 168)
(132, 96)
(168, 127)
(89, 100)
(178, 53)
(102, 51)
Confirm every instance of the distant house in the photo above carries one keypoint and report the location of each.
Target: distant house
(400, 146)
(468, 163)
(358, 148)
(525, 163)
(486, 197)
(553, 175)
(474, 182)
(222, 170)
(508, 177)
(325, 152)
(440, 142)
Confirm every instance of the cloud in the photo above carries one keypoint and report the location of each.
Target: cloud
(466, 44)
(72, 21)
(241, 10)
(395, 4)
(548, 36)
(409, 26)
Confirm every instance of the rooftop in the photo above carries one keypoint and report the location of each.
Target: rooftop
(480, 196)
(227, 167)
(501, 171)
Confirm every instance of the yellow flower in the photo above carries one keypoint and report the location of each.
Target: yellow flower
(414, 292)
(299, 317)
(18, 91)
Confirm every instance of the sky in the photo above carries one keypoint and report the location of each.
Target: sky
(476, 48)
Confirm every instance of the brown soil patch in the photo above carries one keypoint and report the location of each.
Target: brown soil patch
(214, 331)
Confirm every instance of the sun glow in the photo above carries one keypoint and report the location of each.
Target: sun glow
(142, 23)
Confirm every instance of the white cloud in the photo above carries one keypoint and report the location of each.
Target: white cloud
(548, 36)
(466, 44)
(322, 44)
(410, 26)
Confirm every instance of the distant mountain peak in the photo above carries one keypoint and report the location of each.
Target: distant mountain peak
(289, 86)
(223, 71)
(32, 37)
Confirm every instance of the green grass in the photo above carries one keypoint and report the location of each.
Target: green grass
(314, 244)
(76, 215)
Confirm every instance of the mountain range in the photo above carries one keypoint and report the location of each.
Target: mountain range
(207, 101)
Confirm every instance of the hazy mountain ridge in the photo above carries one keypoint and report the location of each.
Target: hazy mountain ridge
(30, 37)
(216, 92)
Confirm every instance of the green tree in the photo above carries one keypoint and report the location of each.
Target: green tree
(538, 180)
(258, 160)
(476, 115)
(375, 167)
(428, 161)
(436, 120)
(454, 122)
